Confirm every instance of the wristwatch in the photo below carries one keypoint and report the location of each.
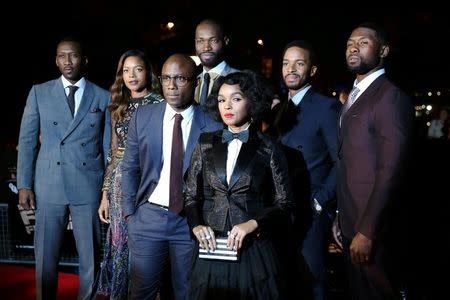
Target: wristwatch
(317, 206)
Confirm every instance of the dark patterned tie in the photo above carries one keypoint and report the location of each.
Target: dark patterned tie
(71, 98)
(205, 88)
(228, 136)
(351, 99)
(176, 167)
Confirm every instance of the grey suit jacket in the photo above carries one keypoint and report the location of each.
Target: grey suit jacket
(227, 70)
(142, 162)
(60, 157)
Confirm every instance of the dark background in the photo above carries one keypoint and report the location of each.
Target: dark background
(418, 60)
(418, 63)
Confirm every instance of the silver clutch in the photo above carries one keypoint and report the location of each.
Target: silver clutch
(220, 253)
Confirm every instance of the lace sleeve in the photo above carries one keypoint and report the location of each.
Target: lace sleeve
(107, 179)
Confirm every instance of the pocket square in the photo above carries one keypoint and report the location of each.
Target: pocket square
(96, 110)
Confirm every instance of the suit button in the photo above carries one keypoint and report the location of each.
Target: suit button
(83, 144)
(58, 163)
(55, 123)
(92, 125)
(62, 143)
(84, 164)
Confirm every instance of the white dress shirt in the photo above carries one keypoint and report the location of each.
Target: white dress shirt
(234, 147)
(81, 84)
(161, 193)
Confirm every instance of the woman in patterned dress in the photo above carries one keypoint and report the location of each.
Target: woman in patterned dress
(135, 85)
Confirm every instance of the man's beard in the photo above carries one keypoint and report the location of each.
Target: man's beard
(364, 67)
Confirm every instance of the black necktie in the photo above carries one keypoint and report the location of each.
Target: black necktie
(205, 88)
(228, 136)
(71, 98)
(176, 167)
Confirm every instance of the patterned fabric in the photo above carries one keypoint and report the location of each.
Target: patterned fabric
(113, 280)
(351, 99)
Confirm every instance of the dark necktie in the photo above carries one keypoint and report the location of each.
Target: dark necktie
(176, 167)
(205, 88)
(228, 136)
(71, 98)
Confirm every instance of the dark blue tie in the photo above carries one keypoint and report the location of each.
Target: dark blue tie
(228, 136)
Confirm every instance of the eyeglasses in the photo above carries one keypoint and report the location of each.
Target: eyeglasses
(180, 80)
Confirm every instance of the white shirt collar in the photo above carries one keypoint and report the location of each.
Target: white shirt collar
(297, 98)
(217, 69)
(187, 114)
(364, 84)
(80, 83)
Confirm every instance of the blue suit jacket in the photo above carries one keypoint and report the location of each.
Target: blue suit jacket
(314, 133)
(142, 162)
(60, 157)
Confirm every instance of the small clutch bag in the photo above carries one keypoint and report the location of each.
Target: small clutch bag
(220, 253)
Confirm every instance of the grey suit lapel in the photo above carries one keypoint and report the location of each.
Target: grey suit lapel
(61, 105)
(85, 104)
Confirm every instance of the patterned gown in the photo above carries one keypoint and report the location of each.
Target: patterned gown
(113, 280)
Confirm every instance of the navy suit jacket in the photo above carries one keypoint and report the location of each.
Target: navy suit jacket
(142, 162)
(313, 131)
(374, 139)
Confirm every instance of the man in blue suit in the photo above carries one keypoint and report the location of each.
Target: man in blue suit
(157, 229)
(62, 144)
(308, 123)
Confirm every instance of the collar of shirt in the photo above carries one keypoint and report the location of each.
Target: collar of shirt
(297, 98)
(364, 84)
(81, 84)
(187, 114)
(217, 70)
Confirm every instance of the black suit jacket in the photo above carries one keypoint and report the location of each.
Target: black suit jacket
(259, 186)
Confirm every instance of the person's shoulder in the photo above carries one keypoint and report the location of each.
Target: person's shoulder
(47, 84)
(390, 88)
(96, 87)
(325, 102)
(153, 107)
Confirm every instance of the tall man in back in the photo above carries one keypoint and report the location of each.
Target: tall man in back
(210, 44)
(308, 123)
(161, 138)
(62, 145)
(374, 137)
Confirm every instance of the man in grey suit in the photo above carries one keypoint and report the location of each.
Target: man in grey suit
(210, 44)
(60, 166)
(152, 180)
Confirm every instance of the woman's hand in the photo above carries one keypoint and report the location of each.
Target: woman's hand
(239, 232)
(103, 210)
(205, 237)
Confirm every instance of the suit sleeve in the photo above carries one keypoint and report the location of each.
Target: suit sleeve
(283, 200)
(28, 142)
(131, 172)
(193, 192)
(393, 123)
(327, 191)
